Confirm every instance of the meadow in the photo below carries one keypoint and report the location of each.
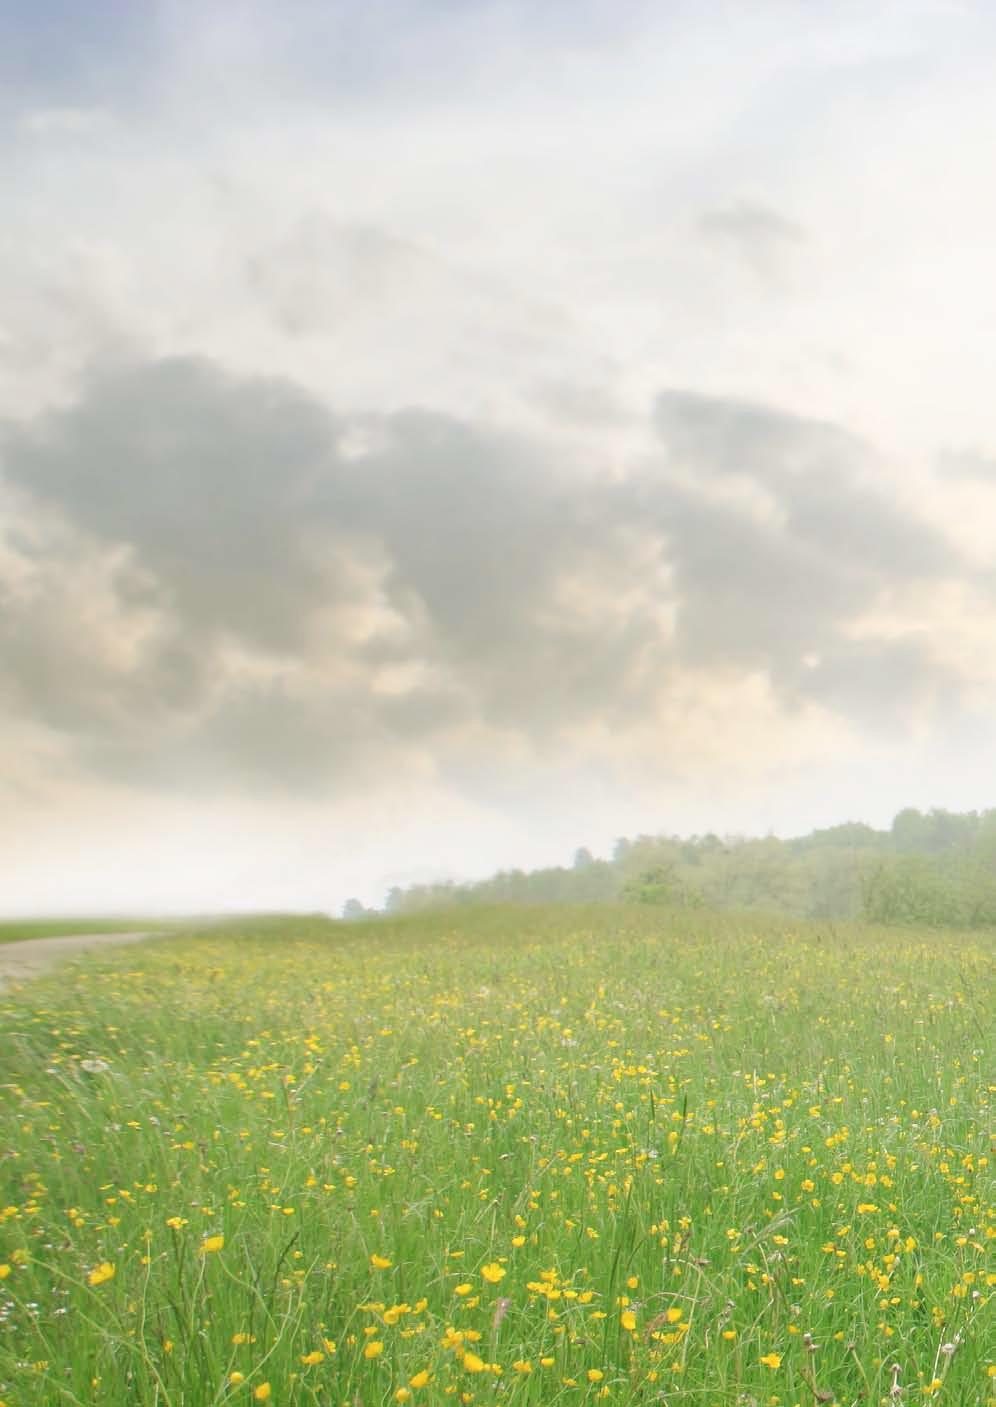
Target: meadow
(517, 1156)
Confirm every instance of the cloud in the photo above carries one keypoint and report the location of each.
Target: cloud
(762, 239)
(328, 275)
(178, 464)
(73, 55)
(584, 406)
(779, 569)
(967, 465)
(336, 479)
(216, 582)
(403, 320)
(63, 121)
(233, 580)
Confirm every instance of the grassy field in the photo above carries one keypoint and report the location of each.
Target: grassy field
(522, 1156)
(17, 930)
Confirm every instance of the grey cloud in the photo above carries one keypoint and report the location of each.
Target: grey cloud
(245, 590)
(207, 481)
(270, 737)
(822, 479)
(747, 592)
(65, 661)
(770, 591)
(246, 531)
(721, 435)
(759, 237)
(873, 679)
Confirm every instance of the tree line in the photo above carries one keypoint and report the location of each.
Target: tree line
(929, 868)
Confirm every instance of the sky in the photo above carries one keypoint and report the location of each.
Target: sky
(438, 434)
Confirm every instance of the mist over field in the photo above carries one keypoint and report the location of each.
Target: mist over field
(436, 437)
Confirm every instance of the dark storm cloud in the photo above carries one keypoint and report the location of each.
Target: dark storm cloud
(238, 586)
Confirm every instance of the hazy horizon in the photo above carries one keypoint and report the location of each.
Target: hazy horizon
(434, 437)
(382, 900)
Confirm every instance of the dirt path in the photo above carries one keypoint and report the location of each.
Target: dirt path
(32, 957)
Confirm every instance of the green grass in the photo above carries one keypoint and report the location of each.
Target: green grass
(16, 930)
(506, 1156)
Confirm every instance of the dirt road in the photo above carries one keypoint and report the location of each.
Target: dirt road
(19, 961)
